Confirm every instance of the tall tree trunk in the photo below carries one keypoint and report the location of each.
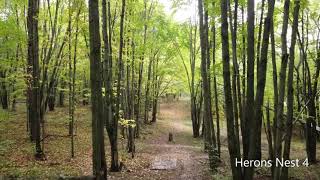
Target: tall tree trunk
(147, 103)
(138, 109)
(111, 120)
(156, 88)
(115, 165)
(131, 129)
(284, 60)
(71, 100)
(249, 116)
(207, 110)
(98, 156)
(235, 74)
(275, 94)
(258, 51)
(193, 97)
(290, 96)
(261, 82)
(274, 78)
(215, 89)
(243, 119)
(33, 63)
(133, 91)
(234, 150)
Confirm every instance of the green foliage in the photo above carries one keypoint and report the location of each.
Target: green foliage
(127, 122)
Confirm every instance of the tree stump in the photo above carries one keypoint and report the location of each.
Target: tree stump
(170, 137)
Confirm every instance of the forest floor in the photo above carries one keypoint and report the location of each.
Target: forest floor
(185, 153)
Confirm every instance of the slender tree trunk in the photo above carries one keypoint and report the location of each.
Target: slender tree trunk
(131, 129)
(114, 144)
(243, 119)
(261, 81)
(275, 79)
(98, 157)
(215, 89)
(206, 94)
(275, 95)
(71, 100)
(138, 109)
(133, 91)
(290, 96)
(234, 150)
(156, 88)
(111, 120)
(258, 51)
(33, 60)
(192, 48)
(235, 75)
(147, 103)
(249, 116)
(284, 60)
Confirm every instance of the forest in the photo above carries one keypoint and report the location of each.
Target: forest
(159, 89)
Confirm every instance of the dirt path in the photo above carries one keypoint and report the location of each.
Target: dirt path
(184, 157)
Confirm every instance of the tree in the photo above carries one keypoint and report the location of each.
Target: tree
(234, 150)
(279, 118)
(209, 138)
(98, 157)
(261, 83)
(249, 123)
(33, 69)
(310, 93)
(290, 97)
(119, 82)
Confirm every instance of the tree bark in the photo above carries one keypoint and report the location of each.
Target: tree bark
(255, 132)
(98, 157)
(147, 103)
(234, 150)
(249, 116)
(290, 96)
(33, 62)
(215, 89)
(235, 73)
(284, 60)
(205, 85)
